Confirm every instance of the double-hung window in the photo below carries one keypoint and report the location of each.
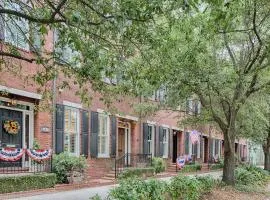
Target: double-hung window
(16, 28)
(103, 135)
(165, 142)
(150, 139)
(72, 126)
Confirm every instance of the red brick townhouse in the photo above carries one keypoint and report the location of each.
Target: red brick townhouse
(91, 131)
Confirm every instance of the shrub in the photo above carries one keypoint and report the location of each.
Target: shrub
(64, 164)
(216, 166)
(250, 175)
(184, 187)
(206, 183)
(191, 168)
(158, 164)
(27, 182)
(137, 172)
(137, 189)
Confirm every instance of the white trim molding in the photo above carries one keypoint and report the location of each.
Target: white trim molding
(20, 92)
(127, 117)
(151, 122)
(165, 126)
(71, 104)
(177, 128)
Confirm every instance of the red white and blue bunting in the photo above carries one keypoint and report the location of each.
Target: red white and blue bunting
(180, 162)
(11, 154)
(39, 154)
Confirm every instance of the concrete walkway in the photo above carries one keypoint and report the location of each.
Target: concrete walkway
(84, 194)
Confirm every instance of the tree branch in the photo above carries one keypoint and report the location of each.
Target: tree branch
(29, 18)
(6, 54)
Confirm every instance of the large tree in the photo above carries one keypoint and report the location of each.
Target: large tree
(253, 122)
(92, 39)
(218, 53)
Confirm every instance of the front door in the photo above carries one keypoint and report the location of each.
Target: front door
(121, 142)
(206, 150)
(174, 148)
(7, 139)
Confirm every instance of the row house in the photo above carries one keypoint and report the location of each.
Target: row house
(101, 136)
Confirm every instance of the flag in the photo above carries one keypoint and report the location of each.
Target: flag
(194, 136)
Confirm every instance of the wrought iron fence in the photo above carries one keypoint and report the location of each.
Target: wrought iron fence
(132, 160)
(25, 165)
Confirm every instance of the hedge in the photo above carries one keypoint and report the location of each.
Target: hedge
(191, 168)
(26, 182)
(216, 166)
(137, 172)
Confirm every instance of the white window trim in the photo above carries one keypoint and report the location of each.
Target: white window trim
(167, 143)
(71, 104)
(20, 92)
(107, 153)
(77, 149)
(152, 139)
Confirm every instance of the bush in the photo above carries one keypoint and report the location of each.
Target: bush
(184, 187)
(216, 166)
(251, 175)
(191, 168)
(137, 189)
(137, 172)
(27, 182)
(158, 164)
(64, 164)
(206, 183)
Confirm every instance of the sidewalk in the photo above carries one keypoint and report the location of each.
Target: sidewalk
(84, 194)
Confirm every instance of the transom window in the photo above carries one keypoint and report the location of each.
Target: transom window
(103, 135)
(165, 142)
(71, 142)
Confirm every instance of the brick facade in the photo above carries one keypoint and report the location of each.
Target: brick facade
(43, 117)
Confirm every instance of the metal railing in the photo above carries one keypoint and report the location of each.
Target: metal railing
(25, 165)
(129, 160)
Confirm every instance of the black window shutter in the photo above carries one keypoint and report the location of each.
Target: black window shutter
(201, 146)
(211, 148)
(59, 129)
(94, 135)
(84, 132)
(187, 143)
(156, 141)
(160, 141)
(196, 149)
(145, 138)
(170, 139)
(113, 135)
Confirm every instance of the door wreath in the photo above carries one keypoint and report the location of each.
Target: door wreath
(12, 127)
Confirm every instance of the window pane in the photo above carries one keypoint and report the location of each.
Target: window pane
(72, 143)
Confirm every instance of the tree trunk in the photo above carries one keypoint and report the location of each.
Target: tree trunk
(229, 156)
(266, 150)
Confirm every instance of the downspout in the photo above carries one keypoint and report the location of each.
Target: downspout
(54, 102)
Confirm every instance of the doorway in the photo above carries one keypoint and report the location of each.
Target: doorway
(7, 139)
(123, 140)
(174, 156)
(205, 160)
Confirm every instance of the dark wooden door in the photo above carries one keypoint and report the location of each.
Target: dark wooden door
(174, 148)
(9, 140)
(121, 142)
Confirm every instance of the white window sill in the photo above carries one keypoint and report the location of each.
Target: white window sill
(103, 156)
